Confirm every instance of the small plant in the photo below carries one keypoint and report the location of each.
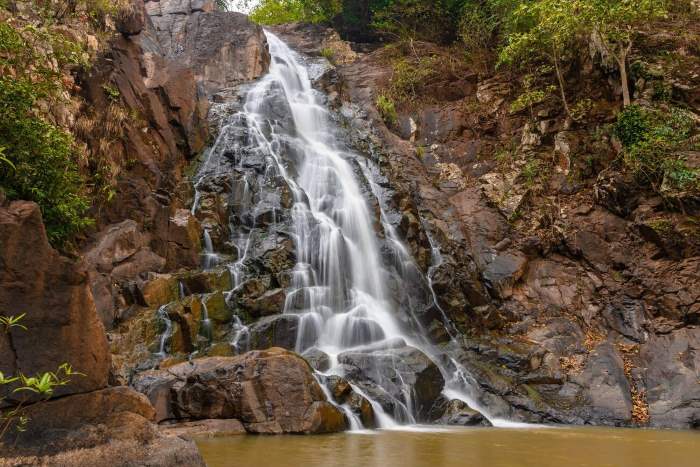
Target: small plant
(581, 109)
(328, 54)
(531, 172)
(387, 109)
(112, 92)
(9, 322)
(662, 91)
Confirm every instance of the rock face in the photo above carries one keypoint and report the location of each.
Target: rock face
(221, 48)
(53, 291)
(272, 391)
(584, 307)
(393, 368)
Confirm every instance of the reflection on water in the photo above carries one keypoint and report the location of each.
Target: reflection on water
(560, 447)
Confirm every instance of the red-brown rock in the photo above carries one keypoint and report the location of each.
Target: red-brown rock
(53, 291)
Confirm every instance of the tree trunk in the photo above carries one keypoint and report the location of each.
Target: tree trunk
(622, 63)
(561, 84)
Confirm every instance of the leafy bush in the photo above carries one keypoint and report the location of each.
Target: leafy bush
(42, 161)
(410, 76)
(653, 143)
(387, 109)
(289, 11)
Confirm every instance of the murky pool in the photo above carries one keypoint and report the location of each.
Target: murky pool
(539, 447)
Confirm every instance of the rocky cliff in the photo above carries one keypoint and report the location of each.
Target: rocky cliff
(572, 301)
(163, 87)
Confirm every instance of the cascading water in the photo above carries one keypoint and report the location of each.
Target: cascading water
(338, 290)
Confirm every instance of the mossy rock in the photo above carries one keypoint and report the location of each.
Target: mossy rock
(162, 289)
(218, 310)
(202, 282)
(221, 349)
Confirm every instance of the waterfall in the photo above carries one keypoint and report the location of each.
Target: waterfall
(338, 287)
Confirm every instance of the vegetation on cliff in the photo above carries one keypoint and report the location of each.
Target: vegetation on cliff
(43, 46)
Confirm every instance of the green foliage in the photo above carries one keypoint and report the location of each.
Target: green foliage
(328, 54)
(387, 109)
(653, 143)
(289, 11)
(112, 92)
(9, 322)
(42, 385)
(410, 76)
(40, 160)
(531, 171)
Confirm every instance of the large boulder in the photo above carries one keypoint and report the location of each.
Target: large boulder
(393, 370)
(53, 292)
(108, 427)
(222, 48)
(272, 391)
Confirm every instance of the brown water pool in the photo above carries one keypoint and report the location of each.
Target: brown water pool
(539, 447)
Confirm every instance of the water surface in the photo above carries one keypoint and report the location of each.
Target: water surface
(547, 447)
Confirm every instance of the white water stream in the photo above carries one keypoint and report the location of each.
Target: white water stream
(338, 286)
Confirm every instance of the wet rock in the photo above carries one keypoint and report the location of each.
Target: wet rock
(343, 393)
(318, 359)
(671, 379)
(456, 412)
(160, 289)
(216, 280)
(269, 303)
(271, 391)
(61, 321)
(184, 240)
(607, 390)
(217, 308)
(391, 367)
(275, 331)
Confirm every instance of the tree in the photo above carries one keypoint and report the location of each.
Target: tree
(613, 23)
(289, 11)
(548, 28)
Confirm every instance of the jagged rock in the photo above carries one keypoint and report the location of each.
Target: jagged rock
(456, 412)
(607, 390)
(269, 303)
(389, 368)
(160, 290)
(617, 192)
(215, 280)
(271, 391)
(503, 272)
(275, 331)
(133, 20)
(61, 321)
(673, 372)
(120, 253)
(342, 393)
(222, 48)
(318, 359)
